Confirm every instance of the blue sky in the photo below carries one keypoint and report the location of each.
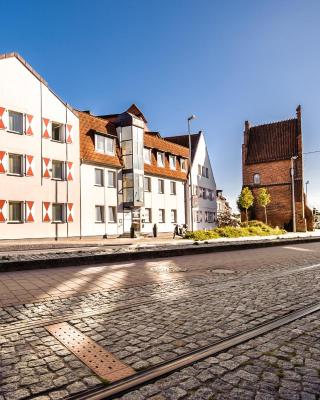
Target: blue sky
(225, 61)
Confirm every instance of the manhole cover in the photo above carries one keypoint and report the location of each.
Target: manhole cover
(168, 269)
(221, 271)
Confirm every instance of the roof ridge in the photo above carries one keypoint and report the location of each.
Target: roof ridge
(273, 123)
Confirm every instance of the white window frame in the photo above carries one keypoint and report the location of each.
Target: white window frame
(162, 212)
(105, 139)
(61, 132)
(63, 172)
(148, 211)
(160, 156)
(114, 182)
(23, 122)
(172, 162)
(13, 221)
(147, 189)
(22, 165)
(102, 211)
(173, 184)
(102, 177)
(147, 159)
(63, 213)
(114, 215)
(173, 212)
(160, 186)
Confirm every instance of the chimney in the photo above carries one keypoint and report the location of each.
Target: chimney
(298, 112)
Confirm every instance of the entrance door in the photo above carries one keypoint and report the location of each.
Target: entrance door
(127, 221)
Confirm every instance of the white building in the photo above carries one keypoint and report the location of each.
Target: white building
(39, 157)
(130, 177)
(204, 202)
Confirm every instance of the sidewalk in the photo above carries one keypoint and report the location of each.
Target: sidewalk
(44, 255)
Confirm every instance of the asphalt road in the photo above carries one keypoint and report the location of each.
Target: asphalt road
(150, 311)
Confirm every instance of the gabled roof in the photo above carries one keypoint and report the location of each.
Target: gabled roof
(36, 74)
(183, 140)
(271, 142)
(133, 109)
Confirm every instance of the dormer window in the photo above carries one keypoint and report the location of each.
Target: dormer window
(147, 155)
(104, 144)
(172, 162)
(160, 159)
(183, 164)
(256, 179)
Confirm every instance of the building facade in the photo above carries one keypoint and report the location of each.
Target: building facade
(67, 173)
(39, 157)
(130, 177)
(267, 153)
(223, 206)
(204, 200)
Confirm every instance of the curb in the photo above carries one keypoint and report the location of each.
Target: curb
(196, 248)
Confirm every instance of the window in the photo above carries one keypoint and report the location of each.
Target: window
(98, 177)
(104, 144)
(207, 172)
(198, 216)
(57, 212)
(112, 214)
(199, 169)
(57, 132)
(210, 217)
(99, 213)
(15, 164)
(195, 190)
(161, 215)
(200, 190)
(147, 155)
(256, 179)
(16, 122)
(173, 187)
(210, 195)
(183, 164)
(161, 186)
(147, 215)
(147, 184)
(57, 170)
(160, 159)
(172, 162)
(15, 211)
(173, 216)
(204, 193)
(111, 179)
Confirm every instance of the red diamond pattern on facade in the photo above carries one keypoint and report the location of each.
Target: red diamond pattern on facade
(69, 134)
(45, 134)
(2, 167)
(2, 110)
(46, 172)
(70, 216)
(29, 162)
(2, 217)
(29, 119)
(29, 211)
(46, 216)
(70, 167)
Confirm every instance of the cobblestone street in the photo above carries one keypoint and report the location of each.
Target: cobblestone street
(152, 311)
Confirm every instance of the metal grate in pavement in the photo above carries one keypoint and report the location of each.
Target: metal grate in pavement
(100, 361)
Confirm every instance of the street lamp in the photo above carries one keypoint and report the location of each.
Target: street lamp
(190, 177)
(293, 196)
(307, 183)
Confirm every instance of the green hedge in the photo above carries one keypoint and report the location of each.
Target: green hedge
(253, 228)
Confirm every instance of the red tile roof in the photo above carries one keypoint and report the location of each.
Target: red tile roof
(271, 142)
(154, 142)
(90, 124)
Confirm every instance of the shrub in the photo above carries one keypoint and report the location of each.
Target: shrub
(252, 228)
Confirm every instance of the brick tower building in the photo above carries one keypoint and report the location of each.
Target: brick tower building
(266, 162)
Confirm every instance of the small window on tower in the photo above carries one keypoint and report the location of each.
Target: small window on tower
(256, 179)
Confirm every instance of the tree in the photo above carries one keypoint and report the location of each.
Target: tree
(264, 199)
(245, 200)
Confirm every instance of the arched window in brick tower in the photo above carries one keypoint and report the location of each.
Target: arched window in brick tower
(256, 179)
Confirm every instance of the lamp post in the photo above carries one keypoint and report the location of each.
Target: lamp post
(190, 175)
(307, 183)
(294, 223)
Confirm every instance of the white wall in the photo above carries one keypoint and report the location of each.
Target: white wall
(92, 195)
(21, 91)
(166, 201)
(202, 157)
